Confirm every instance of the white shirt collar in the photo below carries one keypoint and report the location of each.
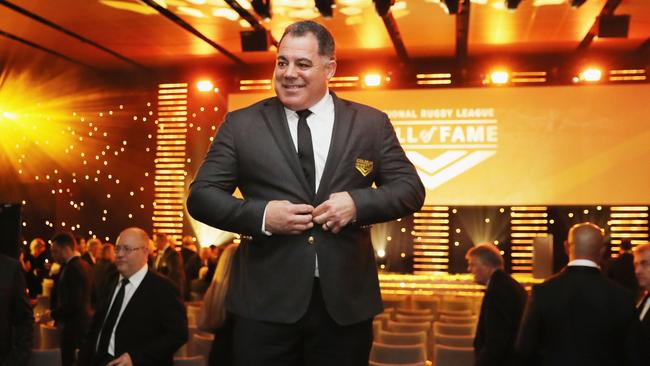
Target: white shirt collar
(583, 262)
(137, 277)
(322, 106)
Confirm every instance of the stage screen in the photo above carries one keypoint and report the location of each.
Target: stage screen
(562, 145)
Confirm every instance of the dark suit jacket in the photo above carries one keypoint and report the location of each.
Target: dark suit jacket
(103, 271)
(579, 317)
(645, 336)
(501, 310)
(72, 309)
(621, 271)
(192, 265)
(272, 276)
(86, 256)
(16, 317)
(152, 327)
(171, 266)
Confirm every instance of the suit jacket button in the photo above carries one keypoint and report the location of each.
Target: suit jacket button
(311, 240)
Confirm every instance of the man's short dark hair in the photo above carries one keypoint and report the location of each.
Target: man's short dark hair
(64, 239)
(488, 254)
(323, 36)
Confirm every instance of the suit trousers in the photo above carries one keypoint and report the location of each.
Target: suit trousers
(314, 340)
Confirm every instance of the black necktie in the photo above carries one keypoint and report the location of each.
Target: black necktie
(306, 150)
(109, 323)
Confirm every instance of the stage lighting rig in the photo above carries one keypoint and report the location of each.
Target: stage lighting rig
(262, 8)
(512, 4)
(383, 6)
(325, 7)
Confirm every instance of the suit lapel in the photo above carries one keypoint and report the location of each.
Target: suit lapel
(276, 122)
(343, 118)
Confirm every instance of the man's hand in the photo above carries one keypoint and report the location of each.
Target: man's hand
(123, 360)
(284, 217)
(335, 213)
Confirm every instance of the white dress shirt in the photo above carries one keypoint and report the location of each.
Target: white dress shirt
(645, 308)
(321, 125)
(584, 263)
(129, 290)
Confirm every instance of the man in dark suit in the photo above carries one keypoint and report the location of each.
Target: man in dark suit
(16, 316)
(169, 262)
(501, 310)
(92, 253)
(621, 268)
(642, 272)
(191, 263)
(304, 284)
(579, 317)
(142, 320)
(71, 309)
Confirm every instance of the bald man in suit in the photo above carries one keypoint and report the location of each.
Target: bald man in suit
(579, 317)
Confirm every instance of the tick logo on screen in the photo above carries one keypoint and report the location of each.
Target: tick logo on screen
(443, 143)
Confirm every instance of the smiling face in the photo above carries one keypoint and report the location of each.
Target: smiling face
(301, 74)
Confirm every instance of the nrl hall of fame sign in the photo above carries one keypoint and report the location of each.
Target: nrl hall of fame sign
(443, 143)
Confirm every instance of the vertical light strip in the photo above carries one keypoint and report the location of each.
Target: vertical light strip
(526, 223)
(629, 222)
(431, 240)
(170, 160)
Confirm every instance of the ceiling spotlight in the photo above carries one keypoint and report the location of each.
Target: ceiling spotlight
(372, 80)
(204, 86)
(499, 77)
(591, 74)
(262, 8)
(577, 3)
(325, 7)
(512, 4)
(383, 6)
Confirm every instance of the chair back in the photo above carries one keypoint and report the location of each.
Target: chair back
(399, 327)
(457, 319)
(396, 338)
(45, 357)
(458, 303)
(50, 337)
(414, 318)
(454, 341)
(440, 328)
(397, 354)
(456, 313)
(201, 346)
(414, 312)
(190, 361)
(453, 356)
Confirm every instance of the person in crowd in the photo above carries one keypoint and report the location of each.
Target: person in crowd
(579, 317)
(103, 270)
(191, 262)
(16, 316)
(621, 268)
(219, 319)
(37, 267)
(71, 310)
(642, 272)
(501, 309)
(80, 247)
(304, 285)
(141, 320)
(169, 262)
(93, 250)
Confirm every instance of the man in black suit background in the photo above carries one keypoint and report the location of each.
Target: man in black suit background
(621, 268)
(304, 284)
(642, 272)
(501, 309)
(142, 320)
(71, 308)
(169, 262)
(16, 316)
(579, 317)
